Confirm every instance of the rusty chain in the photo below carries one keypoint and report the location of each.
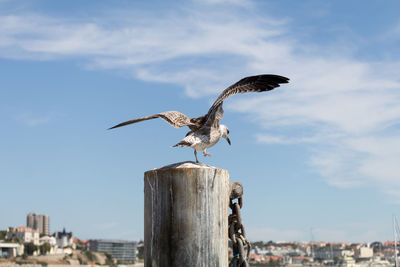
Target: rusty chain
(236, 230)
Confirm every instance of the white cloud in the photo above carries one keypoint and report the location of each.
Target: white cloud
(192, 47)
(275, 139)
(347, 108)
(381, 161)
(351, 110)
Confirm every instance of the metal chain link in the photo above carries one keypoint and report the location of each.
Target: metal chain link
(236, 230)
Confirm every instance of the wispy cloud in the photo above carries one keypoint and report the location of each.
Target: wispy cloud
(346, 109)
(190, 47)
(343, 109)
(349, 107)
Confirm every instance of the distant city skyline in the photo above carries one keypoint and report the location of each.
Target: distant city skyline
(38, 222)
(321, 152)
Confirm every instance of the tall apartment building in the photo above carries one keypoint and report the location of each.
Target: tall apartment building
(38, 222)
(124, 251)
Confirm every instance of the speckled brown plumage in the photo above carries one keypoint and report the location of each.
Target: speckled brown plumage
(175, 118)
(206, 130)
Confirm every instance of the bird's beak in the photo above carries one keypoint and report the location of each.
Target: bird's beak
(229, 141)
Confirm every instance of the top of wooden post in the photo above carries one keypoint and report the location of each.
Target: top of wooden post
(184, 165)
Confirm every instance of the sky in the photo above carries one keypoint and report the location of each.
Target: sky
(318, 157)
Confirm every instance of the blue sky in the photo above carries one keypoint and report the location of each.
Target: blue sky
(322, 152)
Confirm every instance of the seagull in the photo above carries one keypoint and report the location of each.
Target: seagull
(205, 131)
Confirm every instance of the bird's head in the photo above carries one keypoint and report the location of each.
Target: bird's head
(225, 133)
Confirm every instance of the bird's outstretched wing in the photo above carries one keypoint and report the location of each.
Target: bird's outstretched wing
(174, 118)
(258, 83)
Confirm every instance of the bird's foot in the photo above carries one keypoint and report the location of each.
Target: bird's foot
(205, 153)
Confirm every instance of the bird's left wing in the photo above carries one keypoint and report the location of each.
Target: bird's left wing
(258, 83)
(174, 118)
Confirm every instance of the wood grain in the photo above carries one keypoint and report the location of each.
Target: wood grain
(186, 216)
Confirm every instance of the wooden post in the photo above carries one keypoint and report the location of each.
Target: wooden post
(186, 216)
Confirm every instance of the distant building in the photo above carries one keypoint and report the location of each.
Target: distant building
(63, 239)
(364, 253)
(256, 258)
(38, 222)
(23, 234)
(51, 240)
(9, 250)
(124, 251)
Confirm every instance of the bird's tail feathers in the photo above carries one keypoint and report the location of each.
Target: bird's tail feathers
(182, 143)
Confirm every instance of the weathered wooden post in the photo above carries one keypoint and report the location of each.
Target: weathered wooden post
(186, 216)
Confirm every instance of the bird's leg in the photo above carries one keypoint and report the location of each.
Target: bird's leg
(195, 154)
(205, 153)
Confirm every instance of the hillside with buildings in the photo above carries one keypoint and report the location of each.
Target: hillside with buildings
(35, 244)
(323, 254)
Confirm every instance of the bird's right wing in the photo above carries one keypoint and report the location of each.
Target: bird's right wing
(174, 118)
(258, 83)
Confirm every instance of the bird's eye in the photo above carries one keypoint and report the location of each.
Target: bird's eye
(227, 131)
